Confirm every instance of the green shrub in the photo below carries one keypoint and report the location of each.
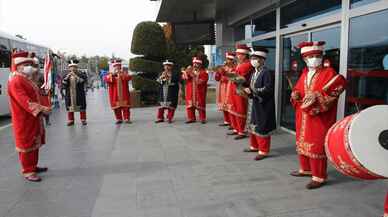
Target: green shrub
(149, 40)
(149, 67)
(142, 84)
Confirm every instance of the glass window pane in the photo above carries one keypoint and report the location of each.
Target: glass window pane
(264, 24)
(290, 75)
(332, 47)
(5, 58)
(243, 31)
(304, 10)
(4, 44)
(5, 53)
(358, 3)
(367, 62)
(270, 44)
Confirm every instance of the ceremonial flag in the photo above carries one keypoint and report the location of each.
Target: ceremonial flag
(47, 72)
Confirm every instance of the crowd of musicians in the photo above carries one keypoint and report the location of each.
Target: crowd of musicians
(245, 96)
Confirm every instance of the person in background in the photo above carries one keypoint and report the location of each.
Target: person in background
(262, 102)
(315, 113)
(119, 96)
(26, 112)
(168, 92)
(223, 87)
(196, 79)
(75, 95)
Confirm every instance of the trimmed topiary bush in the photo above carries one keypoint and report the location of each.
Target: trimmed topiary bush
(139, 64)
(149, 40)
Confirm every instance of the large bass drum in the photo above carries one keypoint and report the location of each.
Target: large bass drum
(357, 146)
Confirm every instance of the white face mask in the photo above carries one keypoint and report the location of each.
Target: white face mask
(115, 70)
(255, 63)
(28, 70)
(314, 62)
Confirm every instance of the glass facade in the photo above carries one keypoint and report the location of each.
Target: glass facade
(270, 44)
(358, 3)
(243, 31)
(332, 37)
(291, 69)
(367, 62)
(305, 10)
(264, 24)
(5, 53)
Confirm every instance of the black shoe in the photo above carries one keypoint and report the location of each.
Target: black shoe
(119, 122)
(240, 137)
(190, 122)
(170, 121)
(231, 133)
(203, 122)
(223, 125)
(128, 122)
(41, 169)
(260, 157)
(84, 123)
(299, 174)
(70, 123)
(159, 121)
(314, 185)
(230, 128)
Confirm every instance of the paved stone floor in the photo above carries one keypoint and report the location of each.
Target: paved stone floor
(148, 170)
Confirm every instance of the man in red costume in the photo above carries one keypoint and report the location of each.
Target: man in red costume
(119, 96)
(196, 78)
(316, 110)
(239, 100)
(223, 86)
(26, 111)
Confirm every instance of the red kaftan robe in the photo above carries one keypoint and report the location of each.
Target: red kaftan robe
(45, 98)
(229, 90)
(238, 105)
(119, 90)
(222, 87)
(26, 111)
(312, 126)
(386, 206)
(196, 89)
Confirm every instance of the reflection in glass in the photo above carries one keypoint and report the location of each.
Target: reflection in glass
(303, 10)
(243, 31)
(292, 67)
(332, 47)
(264, 24)
(270, 44)
(367, 77)
(358, 3)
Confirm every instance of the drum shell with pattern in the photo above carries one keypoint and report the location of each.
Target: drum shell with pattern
(352, 144)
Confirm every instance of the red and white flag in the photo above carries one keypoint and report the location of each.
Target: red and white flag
(48, 64)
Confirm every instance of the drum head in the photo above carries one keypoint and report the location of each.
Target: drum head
(368, 139)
